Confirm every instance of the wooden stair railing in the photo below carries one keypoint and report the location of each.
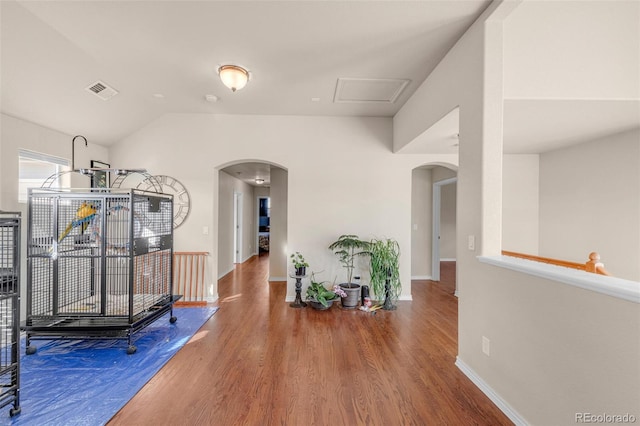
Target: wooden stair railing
(593, 265)
(189, 278)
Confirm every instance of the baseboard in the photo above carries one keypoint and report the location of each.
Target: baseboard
(220, 276)
(277, 279)
(421, 277)
(293, 298)
(211, 299)
(446, 259)
(508, 411)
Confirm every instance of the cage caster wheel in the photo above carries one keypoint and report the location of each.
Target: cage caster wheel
(173, 319)
(15, 411)
(30, 350)
(131, 350)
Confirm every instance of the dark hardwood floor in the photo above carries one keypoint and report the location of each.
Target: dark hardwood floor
(258, 361)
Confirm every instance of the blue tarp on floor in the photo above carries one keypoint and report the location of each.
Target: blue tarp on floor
(85, 382)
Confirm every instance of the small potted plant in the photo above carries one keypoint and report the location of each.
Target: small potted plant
(299, 263)
(319, 297)
(385, 270)
(347, 248)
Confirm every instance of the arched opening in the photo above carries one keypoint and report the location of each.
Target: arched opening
(252, 215)
(433, 218)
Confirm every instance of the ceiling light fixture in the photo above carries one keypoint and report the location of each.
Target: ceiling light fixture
(233, 76)
(259, 181)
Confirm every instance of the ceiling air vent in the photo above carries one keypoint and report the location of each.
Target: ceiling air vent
(101, 90)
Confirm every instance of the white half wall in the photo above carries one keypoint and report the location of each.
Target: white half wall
(555, 350)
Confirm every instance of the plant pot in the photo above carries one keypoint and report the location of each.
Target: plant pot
(319, 306)
(353, 294)
(301, 271)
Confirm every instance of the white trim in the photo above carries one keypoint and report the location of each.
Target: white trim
(39, 156)
(611, 286)
(421, 277)
(225, 273)
(436, 204)
(406, 298)
(277, 279)
(211, 299)
(508, 411)
(446, 259)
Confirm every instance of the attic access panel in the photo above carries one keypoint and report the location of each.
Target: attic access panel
(369, 90)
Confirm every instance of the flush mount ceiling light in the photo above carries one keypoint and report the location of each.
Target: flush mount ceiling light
(233, 76)
(259, 181)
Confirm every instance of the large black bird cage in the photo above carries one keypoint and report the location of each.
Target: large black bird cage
(10, 311)
(99, 263)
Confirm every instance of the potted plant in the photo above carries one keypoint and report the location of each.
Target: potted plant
(299, 263)
(385, 270)
(347, 248)
(319, 297)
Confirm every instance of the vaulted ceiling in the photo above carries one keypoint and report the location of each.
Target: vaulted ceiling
(571, 68)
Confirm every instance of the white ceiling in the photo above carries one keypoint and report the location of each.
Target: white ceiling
(249, 172)
(295, 51)
(571, 68)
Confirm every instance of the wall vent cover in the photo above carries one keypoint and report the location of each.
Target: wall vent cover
(369, 90)
(102, 90)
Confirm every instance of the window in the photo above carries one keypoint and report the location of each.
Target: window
(34, 168)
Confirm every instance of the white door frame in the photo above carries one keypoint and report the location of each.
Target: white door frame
(435, 234)
(237, 227)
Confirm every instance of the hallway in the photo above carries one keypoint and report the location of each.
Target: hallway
(260, 362)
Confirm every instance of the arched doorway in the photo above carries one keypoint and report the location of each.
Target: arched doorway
(243, 230)
(434, 204)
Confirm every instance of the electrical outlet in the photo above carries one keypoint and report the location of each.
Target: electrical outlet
(486, 346)
(472, 242)
(205, 230)
(415, 226)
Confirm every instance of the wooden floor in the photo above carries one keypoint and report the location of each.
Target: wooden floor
(258, 361)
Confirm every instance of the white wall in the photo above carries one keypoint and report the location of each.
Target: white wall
(18, 134)
(554, 349)
(602, 63)
(520, 203)
(327, 195)
(228, 185)
(590, 201)
(278, 250)
(421, 219)
(448, 221)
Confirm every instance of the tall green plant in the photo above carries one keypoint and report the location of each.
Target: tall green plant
(347, 248)
(384, 263)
